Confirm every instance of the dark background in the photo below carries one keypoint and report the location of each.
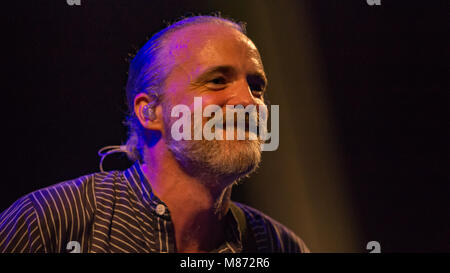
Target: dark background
(384, 74)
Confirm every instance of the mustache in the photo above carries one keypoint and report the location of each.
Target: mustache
(249, 122)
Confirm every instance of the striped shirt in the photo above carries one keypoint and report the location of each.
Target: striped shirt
(117, 211)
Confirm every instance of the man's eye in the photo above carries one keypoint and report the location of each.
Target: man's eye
(258, 94)
(219, 80)
(257, 90)
(218, 83)
(256, 87)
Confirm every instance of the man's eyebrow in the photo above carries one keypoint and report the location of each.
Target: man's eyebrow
(229, 71)
(222, 69)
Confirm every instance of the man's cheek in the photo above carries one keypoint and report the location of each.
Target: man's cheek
(219, 98)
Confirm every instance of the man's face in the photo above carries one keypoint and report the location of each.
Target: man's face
(223, 67)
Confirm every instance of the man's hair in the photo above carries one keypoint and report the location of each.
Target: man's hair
(148, 71)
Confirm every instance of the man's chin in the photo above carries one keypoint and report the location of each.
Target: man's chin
(222, 161)
(238, 134)
(236, 159)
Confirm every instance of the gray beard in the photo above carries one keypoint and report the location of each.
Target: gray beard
(216, 162)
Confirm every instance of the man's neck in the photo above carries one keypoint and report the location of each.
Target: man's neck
(196, 207)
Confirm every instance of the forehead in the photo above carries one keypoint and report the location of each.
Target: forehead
(197, 47)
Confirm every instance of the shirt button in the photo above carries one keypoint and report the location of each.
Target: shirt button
(160, 209)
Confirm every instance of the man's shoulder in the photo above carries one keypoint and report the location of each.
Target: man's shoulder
(76, 192)
(57, 213)
(69, 198)
(270, 233)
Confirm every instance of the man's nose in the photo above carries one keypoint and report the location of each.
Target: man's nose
(242, 95)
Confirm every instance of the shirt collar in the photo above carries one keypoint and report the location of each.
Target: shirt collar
(142, 188)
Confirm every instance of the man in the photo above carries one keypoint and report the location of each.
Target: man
(176, 196)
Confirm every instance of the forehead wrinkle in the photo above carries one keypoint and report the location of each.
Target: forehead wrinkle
(183, 47)
(182, 42)
(192, 48)
(178, 53)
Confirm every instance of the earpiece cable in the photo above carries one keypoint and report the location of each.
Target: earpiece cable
(105, 151)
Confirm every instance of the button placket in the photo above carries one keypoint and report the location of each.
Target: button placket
(160, 209)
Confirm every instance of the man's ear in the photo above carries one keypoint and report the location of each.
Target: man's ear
(148, 111)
